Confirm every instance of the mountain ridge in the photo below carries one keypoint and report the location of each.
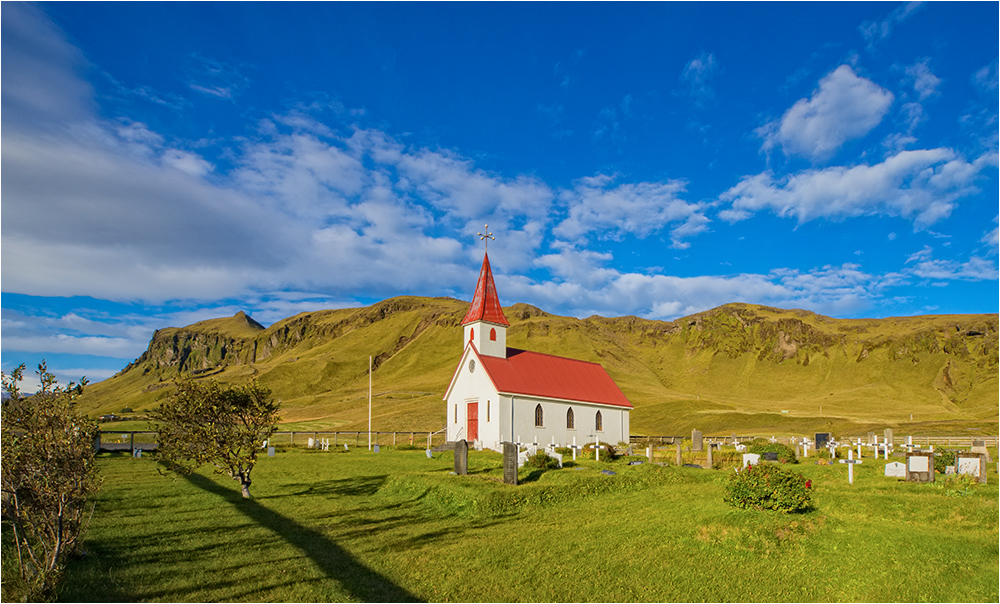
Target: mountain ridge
(735, 366)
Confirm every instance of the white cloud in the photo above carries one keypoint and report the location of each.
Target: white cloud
(921, 186)
(844, 107)
(585, 287)
(975, 269)
(595, 204)
(992, 238)
(925, 83)
(876, 31)
(698, 73)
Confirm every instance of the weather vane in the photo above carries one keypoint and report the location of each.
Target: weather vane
(487, 236)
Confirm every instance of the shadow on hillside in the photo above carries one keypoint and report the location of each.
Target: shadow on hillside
(363, 583)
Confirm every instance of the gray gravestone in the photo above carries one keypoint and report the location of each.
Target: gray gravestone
(821, 439)
(509, 463)
(428, 453)
(270, 451)
(888, 436)
(679, 462)
(770, 456)
(979, 446)
(710, 462)
(462, 457)
(696, 444)
(920, 467)
(376, 448)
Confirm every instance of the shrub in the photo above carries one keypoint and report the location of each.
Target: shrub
(785, 453)
(943, 458)
(768, 487)
(541, 461)
(408, 447)
(608, 452)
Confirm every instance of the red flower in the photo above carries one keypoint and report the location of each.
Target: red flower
(809, 484)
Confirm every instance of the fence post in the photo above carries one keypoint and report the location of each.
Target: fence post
(411, 438)
(394, 439)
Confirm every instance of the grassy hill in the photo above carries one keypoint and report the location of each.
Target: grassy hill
(738, 368)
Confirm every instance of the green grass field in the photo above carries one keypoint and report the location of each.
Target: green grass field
(396, 526)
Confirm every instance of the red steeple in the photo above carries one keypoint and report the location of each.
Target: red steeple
(485, 304)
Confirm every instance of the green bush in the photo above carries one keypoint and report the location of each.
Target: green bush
(541, 461)
(943, 458)
(408, 447)
(768, 487)
(608, 452)
(785, 453)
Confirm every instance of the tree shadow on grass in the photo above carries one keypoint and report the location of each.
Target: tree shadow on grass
(360, 581)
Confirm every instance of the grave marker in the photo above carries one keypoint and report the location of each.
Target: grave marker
(973, 464)
(750, 459)
(850, 461)
(461, 457)
(510, 463)
(679, 462)
(696, 441)
(270, 451)
(895, 469)
(821, 439)
(919, 467)
(710, 464)
(979, 446)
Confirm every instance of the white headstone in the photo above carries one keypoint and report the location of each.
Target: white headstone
(750, 459)
(895, 469)
(968, 465)
(311, 443)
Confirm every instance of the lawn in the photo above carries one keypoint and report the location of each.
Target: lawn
(396, 526)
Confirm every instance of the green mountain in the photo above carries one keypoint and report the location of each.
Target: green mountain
(738, 368)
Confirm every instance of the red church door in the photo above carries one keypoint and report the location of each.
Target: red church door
(473, 429)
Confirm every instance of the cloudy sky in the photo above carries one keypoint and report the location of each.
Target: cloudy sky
(164, 163)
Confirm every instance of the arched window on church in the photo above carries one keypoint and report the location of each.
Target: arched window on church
(598, 422)
(538, 416)
(472, 333)
(493, 334)
(487, 411)
(570, 422)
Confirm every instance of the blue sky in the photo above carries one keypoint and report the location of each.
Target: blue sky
(164, 163)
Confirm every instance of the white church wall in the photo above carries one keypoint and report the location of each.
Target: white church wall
(554, 428)
(473, 386)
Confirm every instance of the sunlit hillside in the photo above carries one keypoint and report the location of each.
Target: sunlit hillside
(735, 369)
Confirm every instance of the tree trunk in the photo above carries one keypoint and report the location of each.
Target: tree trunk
(245, 487)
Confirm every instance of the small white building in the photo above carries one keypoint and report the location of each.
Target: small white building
(500, 394)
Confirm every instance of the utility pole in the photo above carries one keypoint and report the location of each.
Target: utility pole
(369, 402)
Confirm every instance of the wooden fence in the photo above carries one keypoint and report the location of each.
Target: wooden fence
(123, 440)
(946, 441)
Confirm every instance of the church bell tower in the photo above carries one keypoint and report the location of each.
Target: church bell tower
(485, 325)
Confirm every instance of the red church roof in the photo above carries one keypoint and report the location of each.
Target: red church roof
(537, 374)
(485, 304)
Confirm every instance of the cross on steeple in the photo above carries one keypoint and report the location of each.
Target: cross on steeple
(487, 236)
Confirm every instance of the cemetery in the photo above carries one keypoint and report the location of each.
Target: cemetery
(407, 523)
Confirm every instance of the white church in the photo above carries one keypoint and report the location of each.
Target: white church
(500, 394)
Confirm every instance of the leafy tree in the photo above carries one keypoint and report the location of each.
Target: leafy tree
(48, 474)
(225, 427)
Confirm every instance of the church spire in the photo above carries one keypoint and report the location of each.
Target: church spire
(485, 304)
